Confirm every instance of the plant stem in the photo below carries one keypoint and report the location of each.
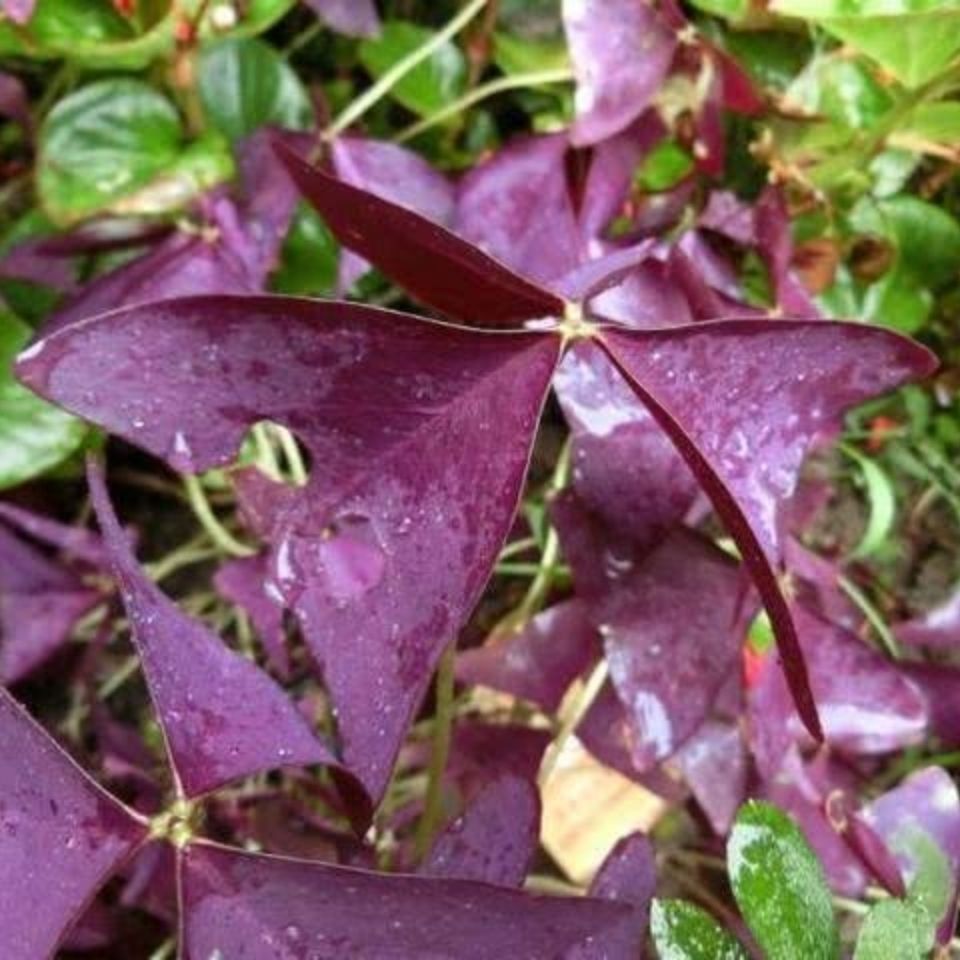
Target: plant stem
(218, 533)
(400, 69)
(500, 85)
(570, 716)
(442, 732)
(873, 616)
(291, 453)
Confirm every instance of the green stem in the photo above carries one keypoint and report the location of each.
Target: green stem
(500, 85)
(872, 614)
(442, 733)
(400, 69)
(291, 453)
(218, 533)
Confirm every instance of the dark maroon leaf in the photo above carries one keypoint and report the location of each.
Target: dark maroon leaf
(926, 802)
(937, 628)
(222, 717)
(357, 18)
(866, 704)
(865, 842)
(626, 470)
(61, 837)
(433, 265)
(244, 582)
(539, 661)
(629, 875)
(621, 52)
(742, 400)
(259, 908)
(672, 635)
(40, 603)
(517, 207)
(714, 765)
(14, 104)
(396, 174)
(419, 434)
(494, 840)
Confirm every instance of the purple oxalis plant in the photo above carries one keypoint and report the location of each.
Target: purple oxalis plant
(420, 431)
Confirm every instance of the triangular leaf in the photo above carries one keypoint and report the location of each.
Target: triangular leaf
(222, 717)
(61, 837)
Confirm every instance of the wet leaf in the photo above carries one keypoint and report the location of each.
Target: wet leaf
(682, 931)
(780, 886)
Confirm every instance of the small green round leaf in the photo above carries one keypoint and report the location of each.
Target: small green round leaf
(245, 84)
(682, 931)
(780, 886)
(104, 142)
(895, 930)
(34, 436)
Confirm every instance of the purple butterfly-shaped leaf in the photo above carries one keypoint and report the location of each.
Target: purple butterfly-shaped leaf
(432, 264)
(61, 837)
(494, 840)
(222, 717)
(261, 907)
(621, 52)
(394, 538)
(357, 18)
(742, 400)
(629, 875)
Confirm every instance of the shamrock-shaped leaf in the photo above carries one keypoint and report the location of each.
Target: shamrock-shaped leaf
(780, 887)
(61, 837)
(222, 717)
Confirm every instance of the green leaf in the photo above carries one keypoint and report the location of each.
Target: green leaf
(894, 930)
(915, 40)
(58, 25)
(682, 931)
(308, 263)
(246, 84)
(665, 166)
(728, 9)
(101, 143)
(780, 887)
(34, 436)
(933, 122)
(932, 883)
(432, 84)
(883, 504)
(517, 55)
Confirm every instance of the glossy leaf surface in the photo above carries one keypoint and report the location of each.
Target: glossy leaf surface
(742, 400)
(222, 717)
(61, 837)
(779, 886)
(259, 907)
(432, 264)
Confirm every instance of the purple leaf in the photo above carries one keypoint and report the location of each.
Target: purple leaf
(927, 803)
(940, 685)
(938, 628)
(19, 11)
(222, 717)
(393, 540)
(40, 603)
(672, 635)
(260, 908)
(866, 704)
(517, 207)
(232, 251)
(395, 174)
(714, 765)
(629, 875)
(433, 265)
(626, 470)
(494, 840)
(14, 104)
(621, 52)
(75, 543)
(356, 18)
(61, 837)
(539, 661)
(244, 582)
(31, 262)
(742, 400)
